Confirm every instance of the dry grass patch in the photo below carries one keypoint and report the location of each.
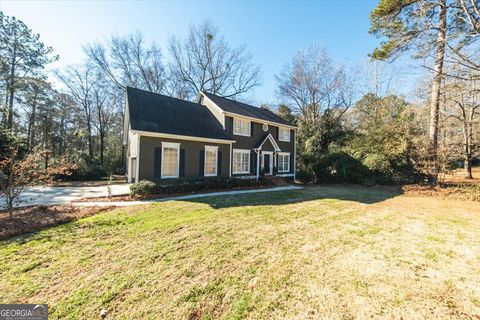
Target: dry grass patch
(318, 253)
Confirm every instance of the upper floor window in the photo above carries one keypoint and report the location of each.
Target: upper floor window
(241, 127)
(284, 134)
(211, 156)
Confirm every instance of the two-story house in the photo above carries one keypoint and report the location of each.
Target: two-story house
(169, 138)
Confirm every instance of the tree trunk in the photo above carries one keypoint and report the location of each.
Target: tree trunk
(31, 125)
(468, 167)
(89, 137)
(102, 146)
(11, 90)
(436, 85)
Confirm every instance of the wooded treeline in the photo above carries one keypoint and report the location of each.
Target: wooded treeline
(353, 124)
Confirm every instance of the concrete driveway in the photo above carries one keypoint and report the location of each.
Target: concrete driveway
(60, 195)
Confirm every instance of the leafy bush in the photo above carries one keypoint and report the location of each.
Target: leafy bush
(143, 188)
(86, 169)
(164, 187)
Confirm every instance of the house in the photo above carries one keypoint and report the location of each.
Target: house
(169, 138)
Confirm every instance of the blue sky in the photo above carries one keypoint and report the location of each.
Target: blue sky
(272, 31)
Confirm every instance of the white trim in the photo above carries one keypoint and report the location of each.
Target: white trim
(270, 153)
(284, 154)
(230, 163)
(205, 96)
(211, 148)
(280, 136)
(181, 137)
(272, 140)
(258, 120)
(175, 145)
(249, 125)
(242, 151)
(137, 169)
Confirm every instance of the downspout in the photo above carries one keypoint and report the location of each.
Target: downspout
(138, 158)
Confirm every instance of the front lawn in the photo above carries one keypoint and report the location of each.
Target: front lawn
(318, 253)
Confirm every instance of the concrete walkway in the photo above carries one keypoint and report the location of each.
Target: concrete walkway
(186, 197)
(60, 195)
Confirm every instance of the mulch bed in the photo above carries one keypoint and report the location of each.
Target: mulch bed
(35, 218)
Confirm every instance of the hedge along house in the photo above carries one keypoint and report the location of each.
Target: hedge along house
(169, 138)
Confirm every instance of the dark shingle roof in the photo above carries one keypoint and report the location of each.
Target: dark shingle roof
(158, 113)
(245, 109)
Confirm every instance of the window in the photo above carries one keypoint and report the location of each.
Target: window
(241, 127)
(241, 161)
(170, 159)
(283, 162)
(284, 134)
(211, 153)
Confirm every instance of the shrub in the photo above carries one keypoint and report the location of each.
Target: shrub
(165, 187)
(143, 188)
(86, 169)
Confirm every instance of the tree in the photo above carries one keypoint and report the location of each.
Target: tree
(471, 10)
(386, 136)
(285, 112)
(462, 100)
(422, 26)
(17, 172)
(23, 55)
(126, 61)
(35, 97)
(319, 92)
(80, 83)
(204, 61)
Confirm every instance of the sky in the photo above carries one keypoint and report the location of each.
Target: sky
(273, 31)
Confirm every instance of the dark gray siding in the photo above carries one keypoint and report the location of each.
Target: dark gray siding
(257, 134)
(192, 156)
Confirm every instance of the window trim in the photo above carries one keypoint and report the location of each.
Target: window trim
(241, 151)
(175, 145)
(280, 137)
(249, 126)
(288, 162)
(210, 148)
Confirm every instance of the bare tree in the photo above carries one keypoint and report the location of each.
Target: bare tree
(127, 61)
(105, 115)
(462, 104)
(314, 85)
(471, 10)
(80, 83)
(204, 61)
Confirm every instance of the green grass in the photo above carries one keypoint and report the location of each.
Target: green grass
(322, 252)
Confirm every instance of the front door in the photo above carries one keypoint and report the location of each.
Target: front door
(267, 163)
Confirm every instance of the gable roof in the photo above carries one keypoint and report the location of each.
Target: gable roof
(155, 112)
(246, 110)
(269, 137)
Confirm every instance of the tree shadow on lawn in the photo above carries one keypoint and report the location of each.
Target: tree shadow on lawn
(360, 194)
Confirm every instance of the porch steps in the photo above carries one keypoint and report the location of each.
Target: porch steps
(278, 181)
